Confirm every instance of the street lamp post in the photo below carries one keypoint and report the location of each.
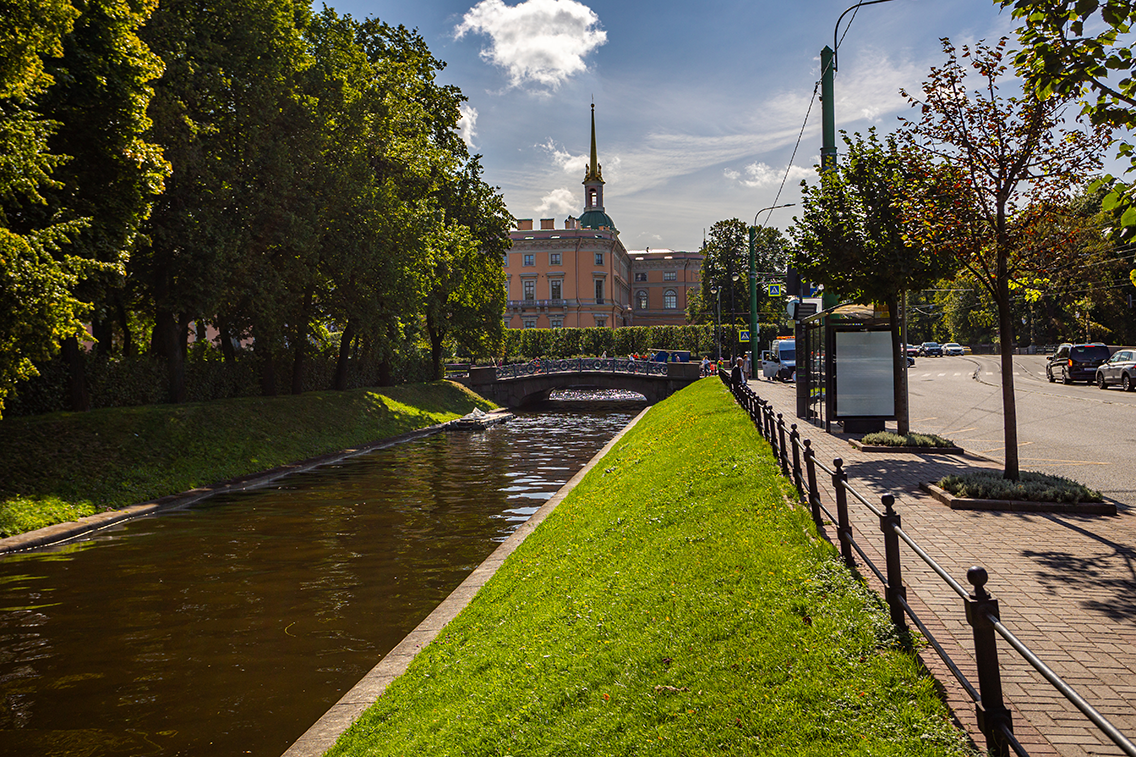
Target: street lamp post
(753, 277)
(717, 292)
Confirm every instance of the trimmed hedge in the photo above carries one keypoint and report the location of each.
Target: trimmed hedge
(561, 343)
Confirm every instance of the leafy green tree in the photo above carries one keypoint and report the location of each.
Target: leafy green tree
(995, 156)
(852, 236)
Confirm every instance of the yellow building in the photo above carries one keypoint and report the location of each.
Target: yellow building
(580, 276)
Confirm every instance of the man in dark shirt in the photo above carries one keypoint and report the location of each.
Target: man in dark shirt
(736, 376)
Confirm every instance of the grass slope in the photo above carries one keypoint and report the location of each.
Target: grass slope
(673, 604)
(62, 466)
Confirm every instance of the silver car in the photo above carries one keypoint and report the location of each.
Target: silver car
(953, 348)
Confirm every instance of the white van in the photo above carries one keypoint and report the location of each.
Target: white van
(780, 360)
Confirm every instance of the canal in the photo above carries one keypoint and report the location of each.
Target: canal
(230, 627)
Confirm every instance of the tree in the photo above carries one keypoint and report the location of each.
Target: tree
(1061, 61)
(37, 306)
(852, 236)
(994, 156)
(726, 255)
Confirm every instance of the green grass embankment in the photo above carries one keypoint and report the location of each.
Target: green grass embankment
(673, 604)
(62, 466)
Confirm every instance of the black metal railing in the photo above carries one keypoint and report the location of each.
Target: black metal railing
(581, 365)
(981, 609)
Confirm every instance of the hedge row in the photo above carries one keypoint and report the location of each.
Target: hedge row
(561, 343)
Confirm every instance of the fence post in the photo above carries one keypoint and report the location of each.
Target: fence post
(781, 444)
(843, 530)
(795, 444)
(890, 521)
(992, 713)
(771, 425)
(811, 472)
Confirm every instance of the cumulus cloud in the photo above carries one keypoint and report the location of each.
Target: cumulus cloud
(538, 41)
(467, 124)
(558, 202)
(762, 175)
(570, 163)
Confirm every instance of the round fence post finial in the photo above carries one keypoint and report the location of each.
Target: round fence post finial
(978, 577)
(888, 501)
(838, 462)
(808, 442)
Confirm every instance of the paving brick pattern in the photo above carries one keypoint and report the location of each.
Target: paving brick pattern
(1066, 585)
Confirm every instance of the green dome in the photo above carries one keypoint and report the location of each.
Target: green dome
(594, 219)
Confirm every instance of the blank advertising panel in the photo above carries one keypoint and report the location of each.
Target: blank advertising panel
(864, 379)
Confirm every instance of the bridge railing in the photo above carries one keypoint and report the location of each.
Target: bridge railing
(544, 366)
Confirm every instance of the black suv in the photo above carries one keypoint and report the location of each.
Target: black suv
(1076, 362)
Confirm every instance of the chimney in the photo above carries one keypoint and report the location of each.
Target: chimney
(524, 224)
(547, 223)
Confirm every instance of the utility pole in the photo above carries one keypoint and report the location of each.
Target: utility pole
(828, 109)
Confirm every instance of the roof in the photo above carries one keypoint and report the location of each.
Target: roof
(594, 219)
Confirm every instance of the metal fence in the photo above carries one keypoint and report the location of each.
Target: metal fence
(981, 608)
(581, 365)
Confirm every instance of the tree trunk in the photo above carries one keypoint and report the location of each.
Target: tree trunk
(436, 338)
(77, 378)
(301, 344)
(342, 364)
(898, 367)
(102, 329)
(1009, 401)
(165, 344)
(127, 338)
(225, 337)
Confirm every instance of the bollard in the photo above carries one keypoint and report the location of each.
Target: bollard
(795, 445)
(843, 530)
(814, 492)
(781, 445)
(992, 713)
(889, 521)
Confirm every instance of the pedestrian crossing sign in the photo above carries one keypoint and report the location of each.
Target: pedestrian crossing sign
(774, 290)
(743, 336)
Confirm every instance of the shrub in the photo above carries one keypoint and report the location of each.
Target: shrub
(890, 439)
(1033, 487)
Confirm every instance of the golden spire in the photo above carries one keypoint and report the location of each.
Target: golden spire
(593, 172)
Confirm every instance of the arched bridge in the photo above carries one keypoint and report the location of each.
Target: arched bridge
(522, 383)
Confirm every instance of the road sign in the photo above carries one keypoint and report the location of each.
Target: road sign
(774, 290)
(743, 336)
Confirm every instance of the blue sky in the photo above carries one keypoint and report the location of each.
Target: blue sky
(698, 105)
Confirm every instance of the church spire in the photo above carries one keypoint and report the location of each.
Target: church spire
(593, 172)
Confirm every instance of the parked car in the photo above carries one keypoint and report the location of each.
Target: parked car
(913, 350)
(1076, 362)
(931, 349)
(1118, 369)
(953, 348)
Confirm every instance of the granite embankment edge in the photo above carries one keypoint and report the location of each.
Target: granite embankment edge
(62, 532)
(324, 733)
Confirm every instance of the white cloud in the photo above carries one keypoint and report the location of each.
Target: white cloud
(467, 124)
(572, 164)
(539, 41)
(763, 175)
(558, 202)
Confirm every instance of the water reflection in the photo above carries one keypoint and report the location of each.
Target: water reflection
(230, 627)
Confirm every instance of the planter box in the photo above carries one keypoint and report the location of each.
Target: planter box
(1019, 506)
(914, 450)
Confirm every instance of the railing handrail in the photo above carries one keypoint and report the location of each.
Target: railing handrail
(981, 608)
(543, 366)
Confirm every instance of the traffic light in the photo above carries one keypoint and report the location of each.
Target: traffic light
(793, 282)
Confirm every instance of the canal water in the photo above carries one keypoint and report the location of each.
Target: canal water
(229, 628)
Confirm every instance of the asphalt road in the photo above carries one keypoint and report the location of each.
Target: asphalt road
(1077, 431)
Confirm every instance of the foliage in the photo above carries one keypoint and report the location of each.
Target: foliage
(562, 343)
(1031, 487)
(726, 255)
(889, 439)
(996, 157)
(65, 465)
(673, 600)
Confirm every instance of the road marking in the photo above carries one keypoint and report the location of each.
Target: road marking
(1065, 462)
(942, 374)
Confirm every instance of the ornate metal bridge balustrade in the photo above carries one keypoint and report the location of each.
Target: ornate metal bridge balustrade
(522, 383)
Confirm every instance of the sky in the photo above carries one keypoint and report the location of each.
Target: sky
(699, 105)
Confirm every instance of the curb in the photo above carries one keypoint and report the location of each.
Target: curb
(61, 532)
(324, 733)
(1018, 506)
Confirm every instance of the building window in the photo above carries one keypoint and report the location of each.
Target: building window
(554, 258)
(641, 276)
(599, 292)
(530, 323)
(601, 322)
(530, 289)
(554, 289)
(529, 259)
(668, 275)
(508, 320)
(557, 323)
(506, 257)
(670, 299)
(599, 258)
(641, 297)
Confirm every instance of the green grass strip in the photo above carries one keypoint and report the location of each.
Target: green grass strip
(63, 466)
(673, 604)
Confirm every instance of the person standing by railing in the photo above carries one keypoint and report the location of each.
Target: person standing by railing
(737, 375)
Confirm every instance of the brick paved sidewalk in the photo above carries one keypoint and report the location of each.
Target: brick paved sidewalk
(1066, 586)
